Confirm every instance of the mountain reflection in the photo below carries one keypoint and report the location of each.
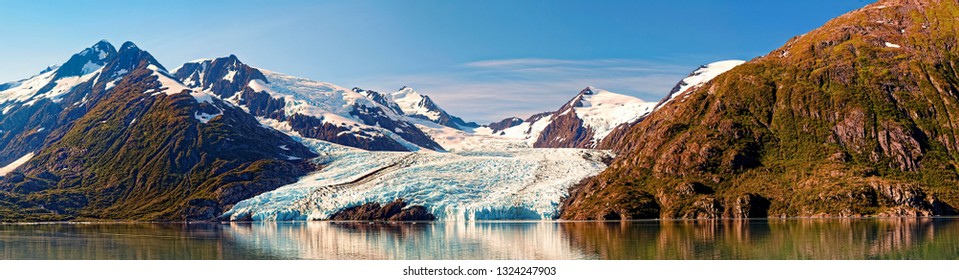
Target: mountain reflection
(908, 238)
(117, 241)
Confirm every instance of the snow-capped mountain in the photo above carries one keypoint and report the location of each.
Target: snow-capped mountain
(699, 77)
(193, 142)
(311, 109)
(111, 134)
(33, 110)
(582, 122)
(417, 105)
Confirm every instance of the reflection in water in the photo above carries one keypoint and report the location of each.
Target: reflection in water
(453, 240)
(771, 239)
(118, 241)
(730, 239)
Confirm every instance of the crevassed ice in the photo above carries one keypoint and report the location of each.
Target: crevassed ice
(518, 183)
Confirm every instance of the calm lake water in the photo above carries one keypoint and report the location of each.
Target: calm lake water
(731, 239)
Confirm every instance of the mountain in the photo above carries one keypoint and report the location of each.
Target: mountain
(311, 109)
(589, 117)
(421, 106)
(582, 122)
(112, 135)
(693, 81)
(698, 78)
(36, 110)
(853, 118)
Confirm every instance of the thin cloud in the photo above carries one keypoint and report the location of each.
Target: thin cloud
(491, 90)
(521, 63)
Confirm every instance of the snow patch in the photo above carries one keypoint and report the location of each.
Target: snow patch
(28, 91)
(202, 96)
(17, 163)
(700, 77)
(169, 85)
(89, 67)
(111, 84)
(230, 75)
(204, 117)
(891, 45)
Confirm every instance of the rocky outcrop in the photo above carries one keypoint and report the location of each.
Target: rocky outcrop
(315, 128)
(504, 124)
(393, 211)
(565, 131)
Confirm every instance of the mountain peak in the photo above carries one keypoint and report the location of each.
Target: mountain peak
(128, 45)
(130, 57)
(588, 90)
(88, 60)
(225, 76)
(103, 45)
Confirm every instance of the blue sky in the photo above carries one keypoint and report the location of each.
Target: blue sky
(482, 60)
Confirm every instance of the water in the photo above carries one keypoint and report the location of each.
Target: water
(751, 239)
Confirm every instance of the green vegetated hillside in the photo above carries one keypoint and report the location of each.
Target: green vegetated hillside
(857, 117)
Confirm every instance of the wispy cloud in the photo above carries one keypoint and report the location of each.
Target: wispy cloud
(491, 90)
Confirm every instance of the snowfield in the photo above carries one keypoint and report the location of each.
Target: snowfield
(484, 184)
(699, 77)
(602, 111)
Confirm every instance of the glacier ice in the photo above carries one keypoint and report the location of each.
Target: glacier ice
(507, 184)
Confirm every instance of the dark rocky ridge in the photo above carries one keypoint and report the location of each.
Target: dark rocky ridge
(393, 211)
(566, 129)
(213, 75)
(505, 123)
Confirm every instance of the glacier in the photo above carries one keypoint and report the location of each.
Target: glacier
(489, 182)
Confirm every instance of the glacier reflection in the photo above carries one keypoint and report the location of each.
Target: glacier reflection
(454, 240)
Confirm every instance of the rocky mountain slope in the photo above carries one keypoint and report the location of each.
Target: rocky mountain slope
(122, 139)
(853, 118)
(317, 110)
(683, 88)
(35, 111)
